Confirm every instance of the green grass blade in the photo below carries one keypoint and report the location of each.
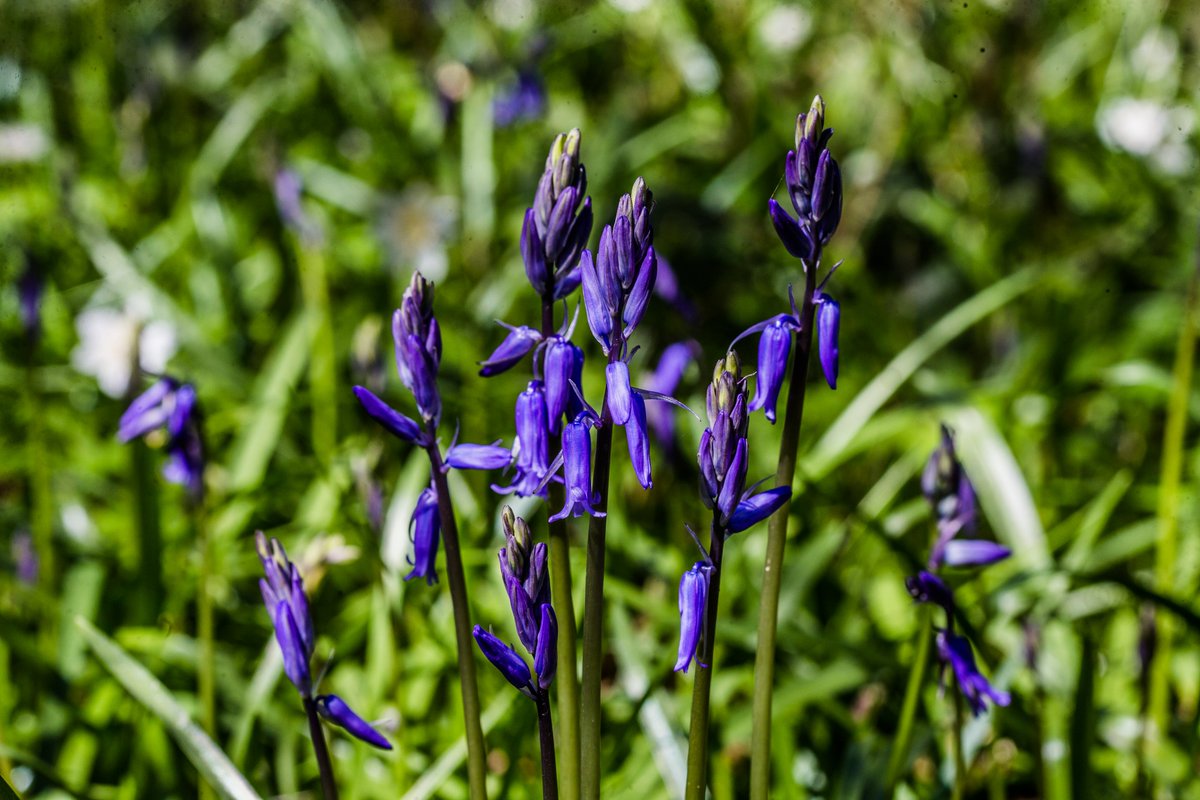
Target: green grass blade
(214, 765)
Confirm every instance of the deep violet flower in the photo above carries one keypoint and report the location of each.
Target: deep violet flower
(515, 346)
(418, 342)
(814, 184)
(577, 467)
(171, 406)
(925, 587)
(283, 594)
(424, 529)
(563, 365)
(396, 423)
(557, 227)
(524, 99)
(829, 315)
(774, 347)
(531, 446)
(955, 651)
(693, 603)
(478, 456)
(950, 493)
(506, 660)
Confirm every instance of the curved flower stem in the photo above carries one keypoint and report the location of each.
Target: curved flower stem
(546, 733)
(697, 768)
(912, 695)
(768, 619)
(567, 677)
(476, 750)
(320, 750)
(593, 616)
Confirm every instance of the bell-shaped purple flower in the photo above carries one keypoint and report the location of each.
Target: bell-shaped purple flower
(170, 404)
(638, 441)
(773, 350)
(665, 379)
(295, 660)
(973, 553)
(577, 468)
(693, 605)
(545, 658)
(956, 651)
(393, 421)
(506, 660)
(283, 595)
(533, 254)
(334, 709)
(829, 315)
(790, 232)
(620, 395)
(149, 411)
(531, 448)
(925, 587)
(563, 364)
(516, 344)
(424, 529)
(596, 306)
(734, 479)
(478, 456)
(756, 508)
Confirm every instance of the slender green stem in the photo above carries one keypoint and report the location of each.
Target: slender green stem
(593, 616)
(1168, 507)
(912, 696)
(320, 750)
(476, 750)
(697, 768)
(322, 364)
(546, 734)
(960, 757)
(206, 662)
(149, 570)
(567, 677)
(768, 619)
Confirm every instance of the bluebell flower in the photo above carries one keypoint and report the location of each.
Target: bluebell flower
(424, 529)
(418, 342)
(478, 456)
(524, 99)
(665, 379)
(755, 508)
(950, 493)
(774, 347)
(506, 660)
(814, 184)
(666, 286)
(519, 341)
(545, 659)
(335, 710)
(577, 469)
(531, 447)
(397, 424)
(620, 400)
(829, 315)
(955, 651)
(171, 406)
(30, 287)
(973, 553)
(562, 366)
(638, 441)
(693, 605)
(557, 227)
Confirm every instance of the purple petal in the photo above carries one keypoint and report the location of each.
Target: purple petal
(545, 660)
(505, 659)
(146, 412)
(639, 295)
(693, 601)
(533, 254)
(735, 479)
(334, 709)
(599, 316)
(829, 315)
(295, 659)
(638, 442)
(478, 456)
(789, 231)
(773, 349)
(395, 422)
(516, 344)
(620, 403)
(754, 510)
(973, 553)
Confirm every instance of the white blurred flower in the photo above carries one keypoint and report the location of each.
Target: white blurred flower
(784, 28)
(107, 339)
(415, 228)
(1149, 129)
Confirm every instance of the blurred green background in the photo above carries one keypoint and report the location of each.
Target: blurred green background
(1019, 234)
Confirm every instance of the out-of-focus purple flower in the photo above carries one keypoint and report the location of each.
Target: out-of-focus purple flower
(478, 456)
(563, 365)
(524, 99)
(288, 189)
(665, 379)
(955, 651)
(925, 587)
(952, 497)
(829, 315)
(25, 558)
(693, 603)
(29, 291)
(424, 529)
(577, 468)
(283, 595)
(170, 405)
(334, 709)
(973, 553)
(516, 344)
(666, 286)
(396, 423)
(557, 227)
(531, 448)
(506, 660)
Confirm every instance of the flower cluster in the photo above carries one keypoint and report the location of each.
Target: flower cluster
(283, 595)
(724, 460)
(418, 343)
(171, 406)
(949, 491)
(523, 565)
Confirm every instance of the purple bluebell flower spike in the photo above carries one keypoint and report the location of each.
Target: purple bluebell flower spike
(829, 315)
(519, 342)
(557, 227)
(577, 466)
(418, 340)
(334, 709)
(693, 602)
(424, 529)
(955, 651)
(506, 660)
(170, 405)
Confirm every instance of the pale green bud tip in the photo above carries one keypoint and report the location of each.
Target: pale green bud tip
(571, 145)
(508, 519)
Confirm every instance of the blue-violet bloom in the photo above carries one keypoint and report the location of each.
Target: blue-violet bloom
(577, 467)
(956, 651)
(424, 529)
(334, 709)
(693, 605)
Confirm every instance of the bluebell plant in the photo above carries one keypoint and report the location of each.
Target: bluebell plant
(284, 596)
(418, 342)
(170, 406)
(814, 186)
(724, 461)
(526, 580)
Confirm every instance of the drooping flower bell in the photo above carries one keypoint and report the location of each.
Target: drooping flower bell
(531, 446)
(955, 651)
(563, 365)
(424, 530)
(171, 406)
(283, 594)
(557, 227)
(693, 605)
(577, 471)
(829, 317)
